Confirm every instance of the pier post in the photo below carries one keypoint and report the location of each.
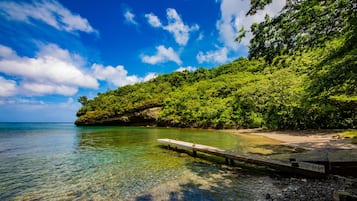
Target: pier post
(194, 153)
(194, 150)
(232, 162)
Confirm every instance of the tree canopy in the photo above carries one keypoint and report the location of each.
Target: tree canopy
(300, 26)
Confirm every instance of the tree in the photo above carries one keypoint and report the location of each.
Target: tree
(301, 25)
(83, 100)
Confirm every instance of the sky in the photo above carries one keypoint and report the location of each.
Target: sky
(54, 51)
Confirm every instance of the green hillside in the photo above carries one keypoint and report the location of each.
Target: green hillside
(311, 86)
(317, 89)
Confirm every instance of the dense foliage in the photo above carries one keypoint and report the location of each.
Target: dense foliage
(301, 24)
(301, 74)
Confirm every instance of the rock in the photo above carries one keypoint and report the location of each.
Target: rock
(268, 196)
(183, 155)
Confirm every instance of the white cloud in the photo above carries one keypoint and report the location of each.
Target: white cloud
(129, 17)
(217, 56)
(200, 37)
(6, 52)
(57, 71)
(233, 17)
(6, 101)
(52, 71)
(7, 87)
(115, 75)
(175, 26)
(153, 20)
(118, 75)
(21, 101)
(49, 12)
(48, 88)
(162, 55)
(149, 77)
(188, 68)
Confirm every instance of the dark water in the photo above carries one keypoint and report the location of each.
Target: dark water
(62, 162)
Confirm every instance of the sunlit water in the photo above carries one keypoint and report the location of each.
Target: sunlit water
(64, 162)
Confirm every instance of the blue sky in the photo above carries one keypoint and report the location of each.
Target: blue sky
(52, 52)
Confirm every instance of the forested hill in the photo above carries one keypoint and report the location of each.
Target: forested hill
(311, 86)
(317, 89)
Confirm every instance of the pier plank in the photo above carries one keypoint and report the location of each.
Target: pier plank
(304, 168)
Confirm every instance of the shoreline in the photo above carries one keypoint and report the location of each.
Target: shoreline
(272, 186)
(309, 139)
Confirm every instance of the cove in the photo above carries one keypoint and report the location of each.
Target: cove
(62, 162)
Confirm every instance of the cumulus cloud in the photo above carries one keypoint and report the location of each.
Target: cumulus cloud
(7, 87)
(49, 12)
(216, 56)
(129, 17)
(56, 71)
(188, 68)
(175, 26)
(52, 71)
(233, 17)
(118, 75)
(162, 55)
(6, 52)
(48, 88)
(153, 20)
(149, 77)
(115, 75)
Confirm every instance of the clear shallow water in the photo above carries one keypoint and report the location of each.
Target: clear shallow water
(62, 162)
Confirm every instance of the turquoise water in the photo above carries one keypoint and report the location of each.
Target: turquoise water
(47, 161)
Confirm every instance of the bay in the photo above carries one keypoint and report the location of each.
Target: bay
(59, 161)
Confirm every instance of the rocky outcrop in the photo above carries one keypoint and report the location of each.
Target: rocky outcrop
(139, 117)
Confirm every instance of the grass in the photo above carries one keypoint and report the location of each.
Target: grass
(351, 134)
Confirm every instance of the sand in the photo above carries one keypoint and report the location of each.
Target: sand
(324, 139)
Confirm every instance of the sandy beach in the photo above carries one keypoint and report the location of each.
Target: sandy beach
(324, 139)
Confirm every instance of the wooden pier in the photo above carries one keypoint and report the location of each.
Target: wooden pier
(293, 166)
